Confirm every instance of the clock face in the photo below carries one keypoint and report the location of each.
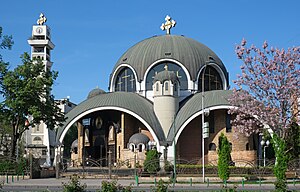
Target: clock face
(39, 30)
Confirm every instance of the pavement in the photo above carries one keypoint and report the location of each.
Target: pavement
(145, 184)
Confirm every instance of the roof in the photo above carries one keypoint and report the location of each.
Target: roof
(166, 75)
(95, 92)
(139, 138)
(192, 54)
(194, 105)
(124, 100)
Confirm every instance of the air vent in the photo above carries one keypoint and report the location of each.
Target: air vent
(168, 53)
(125, 59)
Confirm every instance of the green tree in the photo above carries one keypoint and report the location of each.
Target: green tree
(151, 164)
(224, 157)
(27, 99)
(293, 141)
(281, 163)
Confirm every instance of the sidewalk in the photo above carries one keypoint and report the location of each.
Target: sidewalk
(145, 185)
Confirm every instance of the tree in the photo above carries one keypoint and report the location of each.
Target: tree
(27, 99)
(267, 92)
(223, 157)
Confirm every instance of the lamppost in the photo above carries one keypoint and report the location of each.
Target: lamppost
(265, 144)
(205, 129)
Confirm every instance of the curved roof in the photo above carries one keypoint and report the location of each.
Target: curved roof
(192, 54)
(74, 144)
(193, 106)
(95, 92)
(125, 100)
(166, 75)
(139, 138)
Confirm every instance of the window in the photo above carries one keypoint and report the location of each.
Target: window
(140, 147)
(171, 67)
(37, 139)
(157, 86)
(44, 152)
(247, 147)
(228, 124)
(212, 80)
(166, 86)
(125, 81)
(212, 147)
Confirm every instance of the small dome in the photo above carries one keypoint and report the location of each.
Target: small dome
(166, 75)
(139, 138)
(74, 144)
(95, 92)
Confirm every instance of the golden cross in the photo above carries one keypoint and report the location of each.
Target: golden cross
(42, 19)
(168, 24)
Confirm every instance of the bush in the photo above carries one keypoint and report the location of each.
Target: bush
(113, 187)
(74, 185)
(151, 164)
(161, 186)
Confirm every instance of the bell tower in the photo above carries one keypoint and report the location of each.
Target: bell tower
(39, 138)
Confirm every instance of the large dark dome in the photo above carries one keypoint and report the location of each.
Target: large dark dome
(187, 51)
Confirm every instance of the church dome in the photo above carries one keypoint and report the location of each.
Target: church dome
(166, 75)
(95, 92)
(74, 144)
(192, 54)
(139, 138)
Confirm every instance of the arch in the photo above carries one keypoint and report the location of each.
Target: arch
(181, 128)
(117, 71)
(212, 80)
(125, 80)
(37, 138)
(77, 118)
(220, 72)
(162, 61)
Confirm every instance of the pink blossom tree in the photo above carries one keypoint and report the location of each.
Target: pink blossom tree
(268, 89)
(267, 97)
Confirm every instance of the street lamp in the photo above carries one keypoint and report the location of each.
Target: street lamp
(205, 129)
(265, 144)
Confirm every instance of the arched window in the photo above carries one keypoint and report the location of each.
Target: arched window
(140, 148)
(212, 147)
(166, 86)
(171, 67)
(212, 80)
(247, 147)
(157, 86)
(37, 139)
(125, 81)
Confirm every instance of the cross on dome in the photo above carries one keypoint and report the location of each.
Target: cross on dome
(42, 19)
(168, 24)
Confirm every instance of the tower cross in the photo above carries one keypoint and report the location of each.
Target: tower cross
(168, 24)
(42, 19)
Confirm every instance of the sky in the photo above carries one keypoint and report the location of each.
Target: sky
(90, 36)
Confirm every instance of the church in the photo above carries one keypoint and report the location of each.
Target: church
(167, 92)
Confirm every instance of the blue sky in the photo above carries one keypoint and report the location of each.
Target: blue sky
(91, 35)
